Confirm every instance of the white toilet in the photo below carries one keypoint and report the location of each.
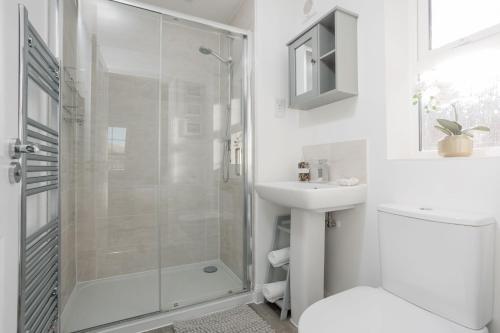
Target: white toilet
(437, 277)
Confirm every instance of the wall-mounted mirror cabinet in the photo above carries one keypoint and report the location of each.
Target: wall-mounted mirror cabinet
(323, 61)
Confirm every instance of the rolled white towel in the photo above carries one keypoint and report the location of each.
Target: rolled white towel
(279, 257)
(274, 291)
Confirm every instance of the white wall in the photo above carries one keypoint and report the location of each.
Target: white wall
(352, 253)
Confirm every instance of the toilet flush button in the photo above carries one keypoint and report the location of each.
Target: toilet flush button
(425, 208)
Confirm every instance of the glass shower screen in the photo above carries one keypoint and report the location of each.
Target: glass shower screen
(159, 159)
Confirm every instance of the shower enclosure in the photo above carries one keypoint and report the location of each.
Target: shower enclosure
(156, 200)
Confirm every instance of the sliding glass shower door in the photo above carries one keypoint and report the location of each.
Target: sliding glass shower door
(157, 105)
(201, 150)
(116, 116)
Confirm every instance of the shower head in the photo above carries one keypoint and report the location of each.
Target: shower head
(205, 50)
(208, 51)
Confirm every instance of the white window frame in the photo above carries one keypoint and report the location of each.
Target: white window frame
(426, 58)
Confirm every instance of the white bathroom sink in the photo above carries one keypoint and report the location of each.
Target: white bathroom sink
(311, 196)
(308, 203)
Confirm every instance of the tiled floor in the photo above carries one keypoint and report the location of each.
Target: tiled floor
(271, 314)
(268, 312)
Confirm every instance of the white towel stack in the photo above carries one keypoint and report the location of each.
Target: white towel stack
(274, 291)
(279, 258)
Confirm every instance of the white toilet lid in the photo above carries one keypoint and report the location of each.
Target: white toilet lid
(373, 310)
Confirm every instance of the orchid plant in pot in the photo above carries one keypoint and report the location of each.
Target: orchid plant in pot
(458, 141)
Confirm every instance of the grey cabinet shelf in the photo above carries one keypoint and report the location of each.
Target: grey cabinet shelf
(323, 61)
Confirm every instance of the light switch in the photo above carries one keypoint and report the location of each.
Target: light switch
(280, 108)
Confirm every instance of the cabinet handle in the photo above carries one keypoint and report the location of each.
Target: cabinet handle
(313, 61)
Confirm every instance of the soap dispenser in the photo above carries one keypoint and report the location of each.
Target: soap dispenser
(321, 172)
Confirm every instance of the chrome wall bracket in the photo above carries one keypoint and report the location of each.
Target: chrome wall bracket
(16, 148)
(15, 172)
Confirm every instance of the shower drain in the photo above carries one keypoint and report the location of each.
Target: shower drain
(210, 269)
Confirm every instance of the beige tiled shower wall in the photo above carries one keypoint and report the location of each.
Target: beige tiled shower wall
(190, 146)
(70, 105)
(117, 206)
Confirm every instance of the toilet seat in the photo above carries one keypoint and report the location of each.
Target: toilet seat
(373, 310)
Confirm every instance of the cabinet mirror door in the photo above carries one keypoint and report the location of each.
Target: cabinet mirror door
(304, 62)
(303, 68)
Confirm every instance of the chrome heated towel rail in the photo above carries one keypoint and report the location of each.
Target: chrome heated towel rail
(36, 165)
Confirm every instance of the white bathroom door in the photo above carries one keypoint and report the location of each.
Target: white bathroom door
(10, 194)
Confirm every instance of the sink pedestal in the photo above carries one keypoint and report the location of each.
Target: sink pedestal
(309, 202)
(307, 260)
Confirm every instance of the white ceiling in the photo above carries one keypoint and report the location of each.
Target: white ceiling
(222, 11)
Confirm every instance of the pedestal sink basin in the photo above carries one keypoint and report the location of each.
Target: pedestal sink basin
(311, 196)
(309, 202)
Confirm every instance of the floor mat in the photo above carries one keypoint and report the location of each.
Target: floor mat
(238, 320)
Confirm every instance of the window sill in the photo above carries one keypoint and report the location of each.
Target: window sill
(479, 153)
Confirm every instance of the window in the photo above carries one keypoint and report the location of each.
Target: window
(116, 140)
(455, 20)
(458, 67)
(117, 137)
